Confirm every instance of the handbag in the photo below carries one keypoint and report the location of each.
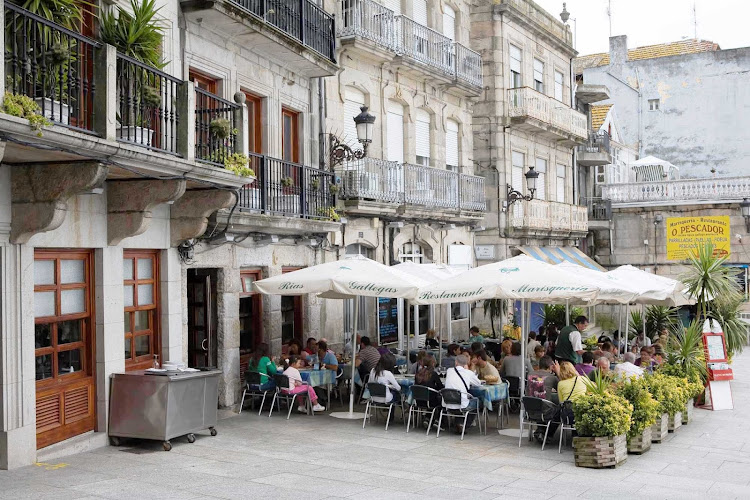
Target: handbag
(566, 408)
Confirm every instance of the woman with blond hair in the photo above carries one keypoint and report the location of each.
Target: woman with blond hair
(572, 385)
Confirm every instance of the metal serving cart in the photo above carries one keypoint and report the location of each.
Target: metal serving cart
(163, 405)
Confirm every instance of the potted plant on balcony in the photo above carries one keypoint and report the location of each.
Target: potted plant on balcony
(24, 107)
(602, 421)
(221, 128)
(287, 181)
(239, 164)
(645, 412)
(139, 37)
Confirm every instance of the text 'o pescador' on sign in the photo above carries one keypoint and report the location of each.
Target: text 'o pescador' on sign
(685, 234)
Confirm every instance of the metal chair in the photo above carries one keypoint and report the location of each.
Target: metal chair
(514, 392)
(253, 383)
(452, 399)
(425, 400)
(377, 401)
(566, 421)
(337, 386)
(536, 413)
(282, 392)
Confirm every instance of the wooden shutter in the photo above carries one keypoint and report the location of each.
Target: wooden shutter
(395, 132)
(451, 143)
(449, 22)
(420, 12)
(422, 133)
(354, 99)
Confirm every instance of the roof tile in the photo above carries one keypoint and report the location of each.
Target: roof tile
(598, 115)
(692, 46)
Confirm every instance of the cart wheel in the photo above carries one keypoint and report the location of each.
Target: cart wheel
(191, 438)
(114, 441)
(167, 445)
(213, 431)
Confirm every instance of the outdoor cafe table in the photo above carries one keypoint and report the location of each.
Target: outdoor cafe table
(316, 378)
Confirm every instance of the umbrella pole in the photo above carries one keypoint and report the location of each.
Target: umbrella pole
(619, 330)
(350, 414)
(643, 317)
(567, 312)
(523, 346)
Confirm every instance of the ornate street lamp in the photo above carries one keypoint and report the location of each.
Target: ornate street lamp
(514, 195)
(341, 152)
(745, 209)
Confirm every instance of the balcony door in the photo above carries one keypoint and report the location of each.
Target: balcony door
(64, 345)
(449, 31)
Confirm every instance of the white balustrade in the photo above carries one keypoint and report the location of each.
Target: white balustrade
(525, 101)
(548, 216)
(682, 190)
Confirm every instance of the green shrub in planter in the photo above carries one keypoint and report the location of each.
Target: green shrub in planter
(645, 407)
(667, 390)
(598, 415)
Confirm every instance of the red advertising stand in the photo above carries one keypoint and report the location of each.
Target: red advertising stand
(719, 372)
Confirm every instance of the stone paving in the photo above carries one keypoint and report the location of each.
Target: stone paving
(322, 457)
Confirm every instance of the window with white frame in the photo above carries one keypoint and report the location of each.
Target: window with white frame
(449, 22)
(353, 100)
(517, 160)
(541, 181)
(422, 137)
(365, 303)
(412, 252)
(515, 67)
(561, 174)
(451, 145)
(653, 104)
(395, 131)
(538, 76)
(559, 85)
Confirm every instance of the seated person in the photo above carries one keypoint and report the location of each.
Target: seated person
(513, 364)
(537, 356)
(658, 354)
(484, 368)
(327, 357)
(586, 365)
(475, 347)
(431, 342)
(645, 361)
(505, 348)
(475, 336)
(570, 387)
(607, 350)
(533, 342)
(381, 375)
(367, 358)
(292, 348)
(603, 338)
(312, 347)
(602, 367)
(461, 379)
(261, 363)
(297, 385)
(418, 362)
(428, 377)
(537, 380)
(628, 368)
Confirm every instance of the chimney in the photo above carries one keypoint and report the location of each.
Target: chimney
(618, 53)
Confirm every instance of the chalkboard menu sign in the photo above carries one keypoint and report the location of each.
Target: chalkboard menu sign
(387, 320)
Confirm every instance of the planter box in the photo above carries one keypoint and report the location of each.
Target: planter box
(675, 422)
(600, 452)
(640, 443)
(660, 429)
(51, 110)
(139, 135)
(687, 415)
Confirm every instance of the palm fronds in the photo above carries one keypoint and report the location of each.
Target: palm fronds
(708, 278)
(137, 35)
(495, 308)
(685, 349)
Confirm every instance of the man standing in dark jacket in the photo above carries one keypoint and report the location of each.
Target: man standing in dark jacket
(569, 347)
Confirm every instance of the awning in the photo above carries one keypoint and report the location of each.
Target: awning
(555, 255)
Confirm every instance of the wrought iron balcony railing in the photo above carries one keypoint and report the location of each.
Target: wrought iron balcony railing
(286, 188)
(210, 147)
(598, 142)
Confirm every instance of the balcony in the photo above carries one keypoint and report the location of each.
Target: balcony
(678, 192)
(536, 113)
(377, 186)
(288, 189)
(298, 34)
(418, 50)
(540, 218)
(595, 151)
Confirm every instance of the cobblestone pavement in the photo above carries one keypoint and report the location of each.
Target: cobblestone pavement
(322, 457)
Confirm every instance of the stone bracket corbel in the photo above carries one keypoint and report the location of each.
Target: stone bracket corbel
(190, 213)
(130, 202)
(40, 194)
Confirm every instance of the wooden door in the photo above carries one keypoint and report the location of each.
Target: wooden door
(290, 148)
(200, 331)
(64, 345)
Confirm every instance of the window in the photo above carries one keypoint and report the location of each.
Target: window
(451, 145)
(459, 310)
(515, 67)
(538, 76)
(517, 177)
(290, 135)
(394, 5)
(561, 170)
(559, 85)
(251, 312)
(601, 174)
(541, 181)
(412, 252)
(422, 137)
(255, 122)
(354, 99)
(204, 81)
(653, 104)
(419, 8)
(395, 132)
(449, 22)
(140, 298)
(365, 303)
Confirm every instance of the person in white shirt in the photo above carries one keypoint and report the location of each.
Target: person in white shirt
(461, 379)
(642, 341)
(381, 375)
(348, 346)
(628, 368)
(533, 342)
(298, 386)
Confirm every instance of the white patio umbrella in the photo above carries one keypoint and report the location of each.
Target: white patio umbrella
(350, 278)
(612, 289)
(520, 277)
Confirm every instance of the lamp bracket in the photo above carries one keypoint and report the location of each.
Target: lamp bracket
(340, 152)
(514, 195)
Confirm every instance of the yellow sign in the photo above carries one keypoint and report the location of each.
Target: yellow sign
(684, 234)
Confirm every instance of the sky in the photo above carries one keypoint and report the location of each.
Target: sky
(648, 22)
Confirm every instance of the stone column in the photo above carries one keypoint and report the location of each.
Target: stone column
(170, 281)
(228, 334)
(110, 327)
(105, 98)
